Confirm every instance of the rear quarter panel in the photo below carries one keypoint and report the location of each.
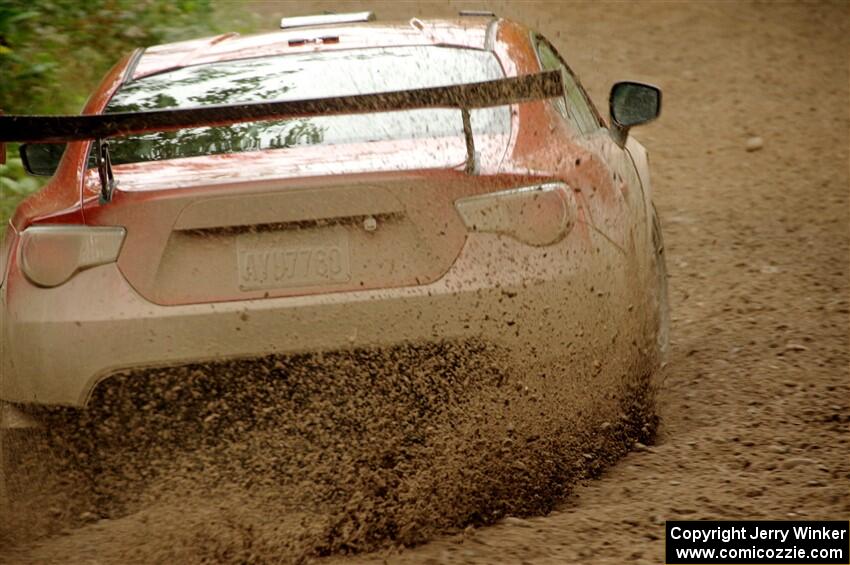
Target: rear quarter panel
(612, 230)
(60, 201)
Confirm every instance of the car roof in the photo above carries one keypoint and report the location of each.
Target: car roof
(468, 32)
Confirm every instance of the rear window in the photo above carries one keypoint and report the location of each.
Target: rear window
(301, 76)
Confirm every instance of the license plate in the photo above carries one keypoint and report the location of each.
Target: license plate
(293, 259)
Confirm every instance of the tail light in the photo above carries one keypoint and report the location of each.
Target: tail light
(50, 255)
(537, 215)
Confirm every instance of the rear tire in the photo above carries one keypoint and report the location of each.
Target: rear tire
(31, 501)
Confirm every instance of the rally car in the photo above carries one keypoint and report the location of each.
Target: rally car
(340, 183)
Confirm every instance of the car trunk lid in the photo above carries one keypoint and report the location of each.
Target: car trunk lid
(198, 237)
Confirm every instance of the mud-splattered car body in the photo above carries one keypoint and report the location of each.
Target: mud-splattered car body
(546, 247)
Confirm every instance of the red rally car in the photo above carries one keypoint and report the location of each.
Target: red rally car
(339, 183)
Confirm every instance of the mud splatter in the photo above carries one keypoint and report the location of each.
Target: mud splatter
(318, 454)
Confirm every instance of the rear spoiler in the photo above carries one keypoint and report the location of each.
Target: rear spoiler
(100, 127)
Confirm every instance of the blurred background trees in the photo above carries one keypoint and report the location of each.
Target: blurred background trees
(54, 52)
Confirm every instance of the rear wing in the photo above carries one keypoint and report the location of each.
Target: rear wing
(101, 127)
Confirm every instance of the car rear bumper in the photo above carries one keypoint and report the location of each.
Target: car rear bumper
(61, 342)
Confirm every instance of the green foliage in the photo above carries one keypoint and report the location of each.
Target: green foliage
(54, 52)
(15, 185)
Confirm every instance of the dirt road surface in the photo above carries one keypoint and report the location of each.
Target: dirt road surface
(755, 406)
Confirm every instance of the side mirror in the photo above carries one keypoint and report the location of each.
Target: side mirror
(41, 159)
(632, 104)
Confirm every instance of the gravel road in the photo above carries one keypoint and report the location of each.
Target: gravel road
(751, 179)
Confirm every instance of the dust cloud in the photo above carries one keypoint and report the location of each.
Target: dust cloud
(320, 454)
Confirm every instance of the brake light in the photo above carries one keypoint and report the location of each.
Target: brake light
(537, 215)
(50, 255)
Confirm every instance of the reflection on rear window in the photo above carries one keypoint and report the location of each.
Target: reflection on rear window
(302, 76)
